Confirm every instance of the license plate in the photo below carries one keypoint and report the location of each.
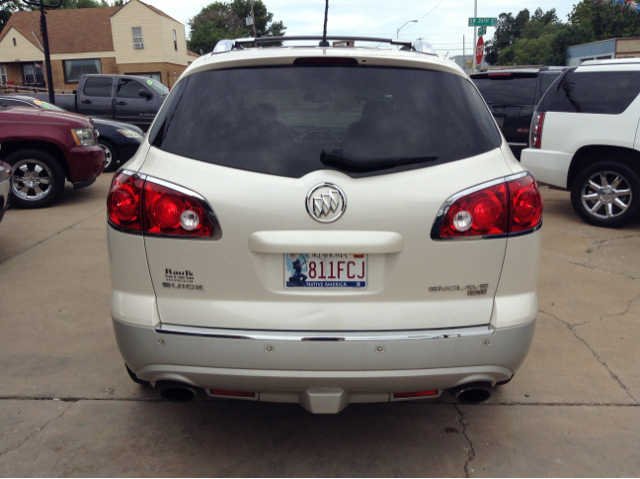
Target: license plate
(318, 270)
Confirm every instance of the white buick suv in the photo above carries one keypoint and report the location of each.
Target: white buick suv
(324, 226)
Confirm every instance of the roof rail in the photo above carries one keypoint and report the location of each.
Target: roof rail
(236, 44)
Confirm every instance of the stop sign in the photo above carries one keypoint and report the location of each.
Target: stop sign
(479, 51)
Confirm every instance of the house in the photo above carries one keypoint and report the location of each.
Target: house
(136, 39)
(603, 50)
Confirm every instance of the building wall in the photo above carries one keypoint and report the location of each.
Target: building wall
(171, 55)
(23, 51)
(166, 70)
(14, 73)
(135, 14)
(590, 51)
(628, 48)
(57, 71)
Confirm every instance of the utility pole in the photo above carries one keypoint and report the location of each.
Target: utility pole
(464, 56)
(475, 37)
(45, 41)
(255, 35)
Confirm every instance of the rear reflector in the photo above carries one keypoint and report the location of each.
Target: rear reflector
(238, 394)
(415, 394)
(504, 207)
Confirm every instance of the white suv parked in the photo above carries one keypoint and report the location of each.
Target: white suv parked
(324, 226)
(584, 137)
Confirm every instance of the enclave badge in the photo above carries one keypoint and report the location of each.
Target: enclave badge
(326, 203)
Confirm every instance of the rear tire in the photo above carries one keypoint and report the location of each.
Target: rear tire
(37, 178)
(606, 194)
(110, 154)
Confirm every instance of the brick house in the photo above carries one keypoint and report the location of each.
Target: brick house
(136, 38)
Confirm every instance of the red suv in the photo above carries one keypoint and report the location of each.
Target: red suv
(44, 148)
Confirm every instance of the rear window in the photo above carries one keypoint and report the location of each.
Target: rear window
(98, 86)
(290, 121)
(608, 93)
(507, 89)
(545, 81)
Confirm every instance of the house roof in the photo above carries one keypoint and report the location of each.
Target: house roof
(159, 12)
(193, 54)
(75, 30)
(70, 30)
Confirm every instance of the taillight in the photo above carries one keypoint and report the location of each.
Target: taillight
(124, 203)
(154, 207)
(535, 134)
(500, 208)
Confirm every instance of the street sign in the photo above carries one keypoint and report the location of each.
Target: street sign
(482, 31)
(483, 22)
(479, 51)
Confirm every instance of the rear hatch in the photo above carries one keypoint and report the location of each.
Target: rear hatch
(261, 145)
(511, 98)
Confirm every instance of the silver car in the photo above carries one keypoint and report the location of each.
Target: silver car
(324, 226)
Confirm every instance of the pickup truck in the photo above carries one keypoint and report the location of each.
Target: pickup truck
(44, 148)
(126, 98)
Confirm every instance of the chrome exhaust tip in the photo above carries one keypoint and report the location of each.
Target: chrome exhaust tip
(472, 393)
(177, 392)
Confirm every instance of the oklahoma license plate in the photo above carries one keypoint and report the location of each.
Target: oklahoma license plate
(320, 270)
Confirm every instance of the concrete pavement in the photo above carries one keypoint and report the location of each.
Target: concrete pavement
(67, 407)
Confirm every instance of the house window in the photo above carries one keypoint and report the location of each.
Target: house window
(14, 43)
(29, 73)
(175, 40)
(136, 33)
(74, 69)
(3, 74)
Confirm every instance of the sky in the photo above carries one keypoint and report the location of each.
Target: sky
(440, 22)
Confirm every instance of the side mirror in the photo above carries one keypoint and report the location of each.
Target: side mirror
(146, 94)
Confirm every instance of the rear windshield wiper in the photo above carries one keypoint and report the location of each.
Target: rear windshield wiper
(354, 163)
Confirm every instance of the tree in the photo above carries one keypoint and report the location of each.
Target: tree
(7, 7)
(221, 20)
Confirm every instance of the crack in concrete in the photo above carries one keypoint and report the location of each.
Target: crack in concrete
(471, 453)
(35, 433)
(52, 236)
(589, 267)
(613, 375)
(618, 314)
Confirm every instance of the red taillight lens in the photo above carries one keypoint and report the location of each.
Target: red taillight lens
(137, 204)
(238, 394)
(415, 394)
(536, 129)
(170, 212)
(526, 204)
(506, 208)
(124, 203)
(477, 214)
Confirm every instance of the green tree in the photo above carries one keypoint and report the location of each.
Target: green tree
(7, 7)
(221, 20)
(606, 21)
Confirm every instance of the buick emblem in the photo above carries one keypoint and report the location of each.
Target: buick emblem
(326, 203)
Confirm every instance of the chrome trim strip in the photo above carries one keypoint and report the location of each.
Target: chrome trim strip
(518, 144)
(325, 336)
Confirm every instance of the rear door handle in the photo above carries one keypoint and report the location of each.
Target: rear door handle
(121, 103)
(87, 102)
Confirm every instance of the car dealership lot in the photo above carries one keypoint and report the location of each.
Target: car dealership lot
(67, 406)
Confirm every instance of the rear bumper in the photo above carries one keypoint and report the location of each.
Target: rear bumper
(85, 163)
(551, 167)
(283, 366)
